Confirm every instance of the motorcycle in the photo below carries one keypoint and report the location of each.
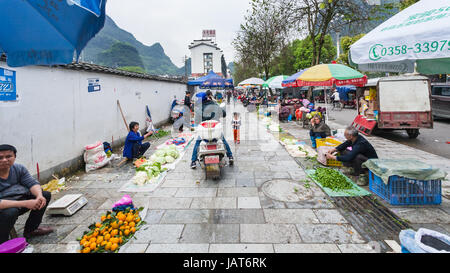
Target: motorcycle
(212, 152)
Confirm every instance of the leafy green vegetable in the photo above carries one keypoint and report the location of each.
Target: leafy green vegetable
(332, 179)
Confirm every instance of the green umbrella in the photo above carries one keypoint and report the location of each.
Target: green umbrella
(275, 82)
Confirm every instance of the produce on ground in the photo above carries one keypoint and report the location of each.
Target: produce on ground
(113, 231)
(160, 133)
(165, 155)
(332, 179)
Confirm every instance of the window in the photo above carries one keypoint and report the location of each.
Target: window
(207, 62)
(441, 91)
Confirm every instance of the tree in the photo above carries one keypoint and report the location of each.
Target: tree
(284, 63)
(244, 70)
(304, 52)
(224, 66)
(406, 3)
(346, 42)
(262, 35)
(317, 18)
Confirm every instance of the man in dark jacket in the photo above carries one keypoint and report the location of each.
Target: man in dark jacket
(187, 100)
(361, 151)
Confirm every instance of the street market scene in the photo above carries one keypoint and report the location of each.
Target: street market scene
(328, 132)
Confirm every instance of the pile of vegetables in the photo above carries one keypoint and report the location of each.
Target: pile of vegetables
(165, 155)
(148, 171)
(332, 179)
(160, 133)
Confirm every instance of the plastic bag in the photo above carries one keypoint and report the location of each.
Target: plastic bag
(95, 156)
(321, 154)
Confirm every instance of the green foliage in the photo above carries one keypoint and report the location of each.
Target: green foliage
(303, 52)
(283, 64)
(135, 69)
(346, 42)
(120, 55)
(406, 3)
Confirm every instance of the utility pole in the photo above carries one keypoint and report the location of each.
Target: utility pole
(338, 38)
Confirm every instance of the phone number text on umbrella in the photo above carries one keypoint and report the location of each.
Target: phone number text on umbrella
(378, 51)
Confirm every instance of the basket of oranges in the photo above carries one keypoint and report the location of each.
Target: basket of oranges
(114, 230)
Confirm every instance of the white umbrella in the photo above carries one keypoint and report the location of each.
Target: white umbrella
(252, 81)
(420, 33)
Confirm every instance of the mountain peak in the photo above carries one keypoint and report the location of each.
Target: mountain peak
(154, 59)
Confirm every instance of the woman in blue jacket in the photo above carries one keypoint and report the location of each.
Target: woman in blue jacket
(134, 148)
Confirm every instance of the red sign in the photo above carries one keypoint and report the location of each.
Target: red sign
(209, 33)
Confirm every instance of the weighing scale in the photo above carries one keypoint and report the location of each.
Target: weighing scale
(67, 205)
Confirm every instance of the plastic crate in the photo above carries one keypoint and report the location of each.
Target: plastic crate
(330, 142)
(405, 191)
(334, 163)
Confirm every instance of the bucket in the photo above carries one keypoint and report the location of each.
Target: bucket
(16, 245)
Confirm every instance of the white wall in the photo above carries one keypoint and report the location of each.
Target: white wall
(56, 116)
(197, 58)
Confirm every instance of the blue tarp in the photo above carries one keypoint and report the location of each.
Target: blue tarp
(48, 32)
(200, 80)
(343, 91)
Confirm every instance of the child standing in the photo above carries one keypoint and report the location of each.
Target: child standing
(236, 123)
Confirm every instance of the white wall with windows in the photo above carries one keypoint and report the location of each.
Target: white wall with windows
(201, 50)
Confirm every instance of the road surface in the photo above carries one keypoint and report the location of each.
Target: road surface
(430, 140)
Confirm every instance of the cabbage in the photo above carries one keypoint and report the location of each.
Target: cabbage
(160, 153)
(174, 153)
(161, 160)
(140, 178)
(169, 159)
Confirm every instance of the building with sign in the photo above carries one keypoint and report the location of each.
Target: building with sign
(205, 56)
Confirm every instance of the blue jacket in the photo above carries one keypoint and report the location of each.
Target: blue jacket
(132, 138)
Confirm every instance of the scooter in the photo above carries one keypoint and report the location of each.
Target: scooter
(212, 151)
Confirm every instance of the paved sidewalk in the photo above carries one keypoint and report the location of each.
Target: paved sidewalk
(187, 213)
(436, 217)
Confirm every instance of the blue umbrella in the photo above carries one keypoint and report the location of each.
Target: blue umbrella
(200, 80)
(213, 82)
(41, 32)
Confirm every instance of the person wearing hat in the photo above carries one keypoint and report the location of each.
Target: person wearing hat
(20, 193)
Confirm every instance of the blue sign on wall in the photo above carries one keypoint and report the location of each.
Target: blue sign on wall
(7, 85)
(94, 85)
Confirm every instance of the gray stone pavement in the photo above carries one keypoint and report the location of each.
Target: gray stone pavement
(187, 213)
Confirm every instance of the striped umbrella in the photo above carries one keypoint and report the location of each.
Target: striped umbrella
(330, 75)
(292, 80)
(274, 82)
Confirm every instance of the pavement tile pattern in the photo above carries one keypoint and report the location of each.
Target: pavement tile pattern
(187, 213)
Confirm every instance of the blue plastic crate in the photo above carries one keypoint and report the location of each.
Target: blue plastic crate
(405, 191)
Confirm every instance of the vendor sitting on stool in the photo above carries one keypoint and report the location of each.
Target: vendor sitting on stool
(134, 148)
(361, 151)
(318, 129)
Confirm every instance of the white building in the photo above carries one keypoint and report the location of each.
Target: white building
(205, 56)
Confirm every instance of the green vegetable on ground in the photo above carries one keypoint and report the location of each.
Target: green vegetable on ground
(332, 179)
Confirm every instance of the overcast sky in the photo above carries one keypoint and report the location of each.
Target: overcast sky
(176, 23)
